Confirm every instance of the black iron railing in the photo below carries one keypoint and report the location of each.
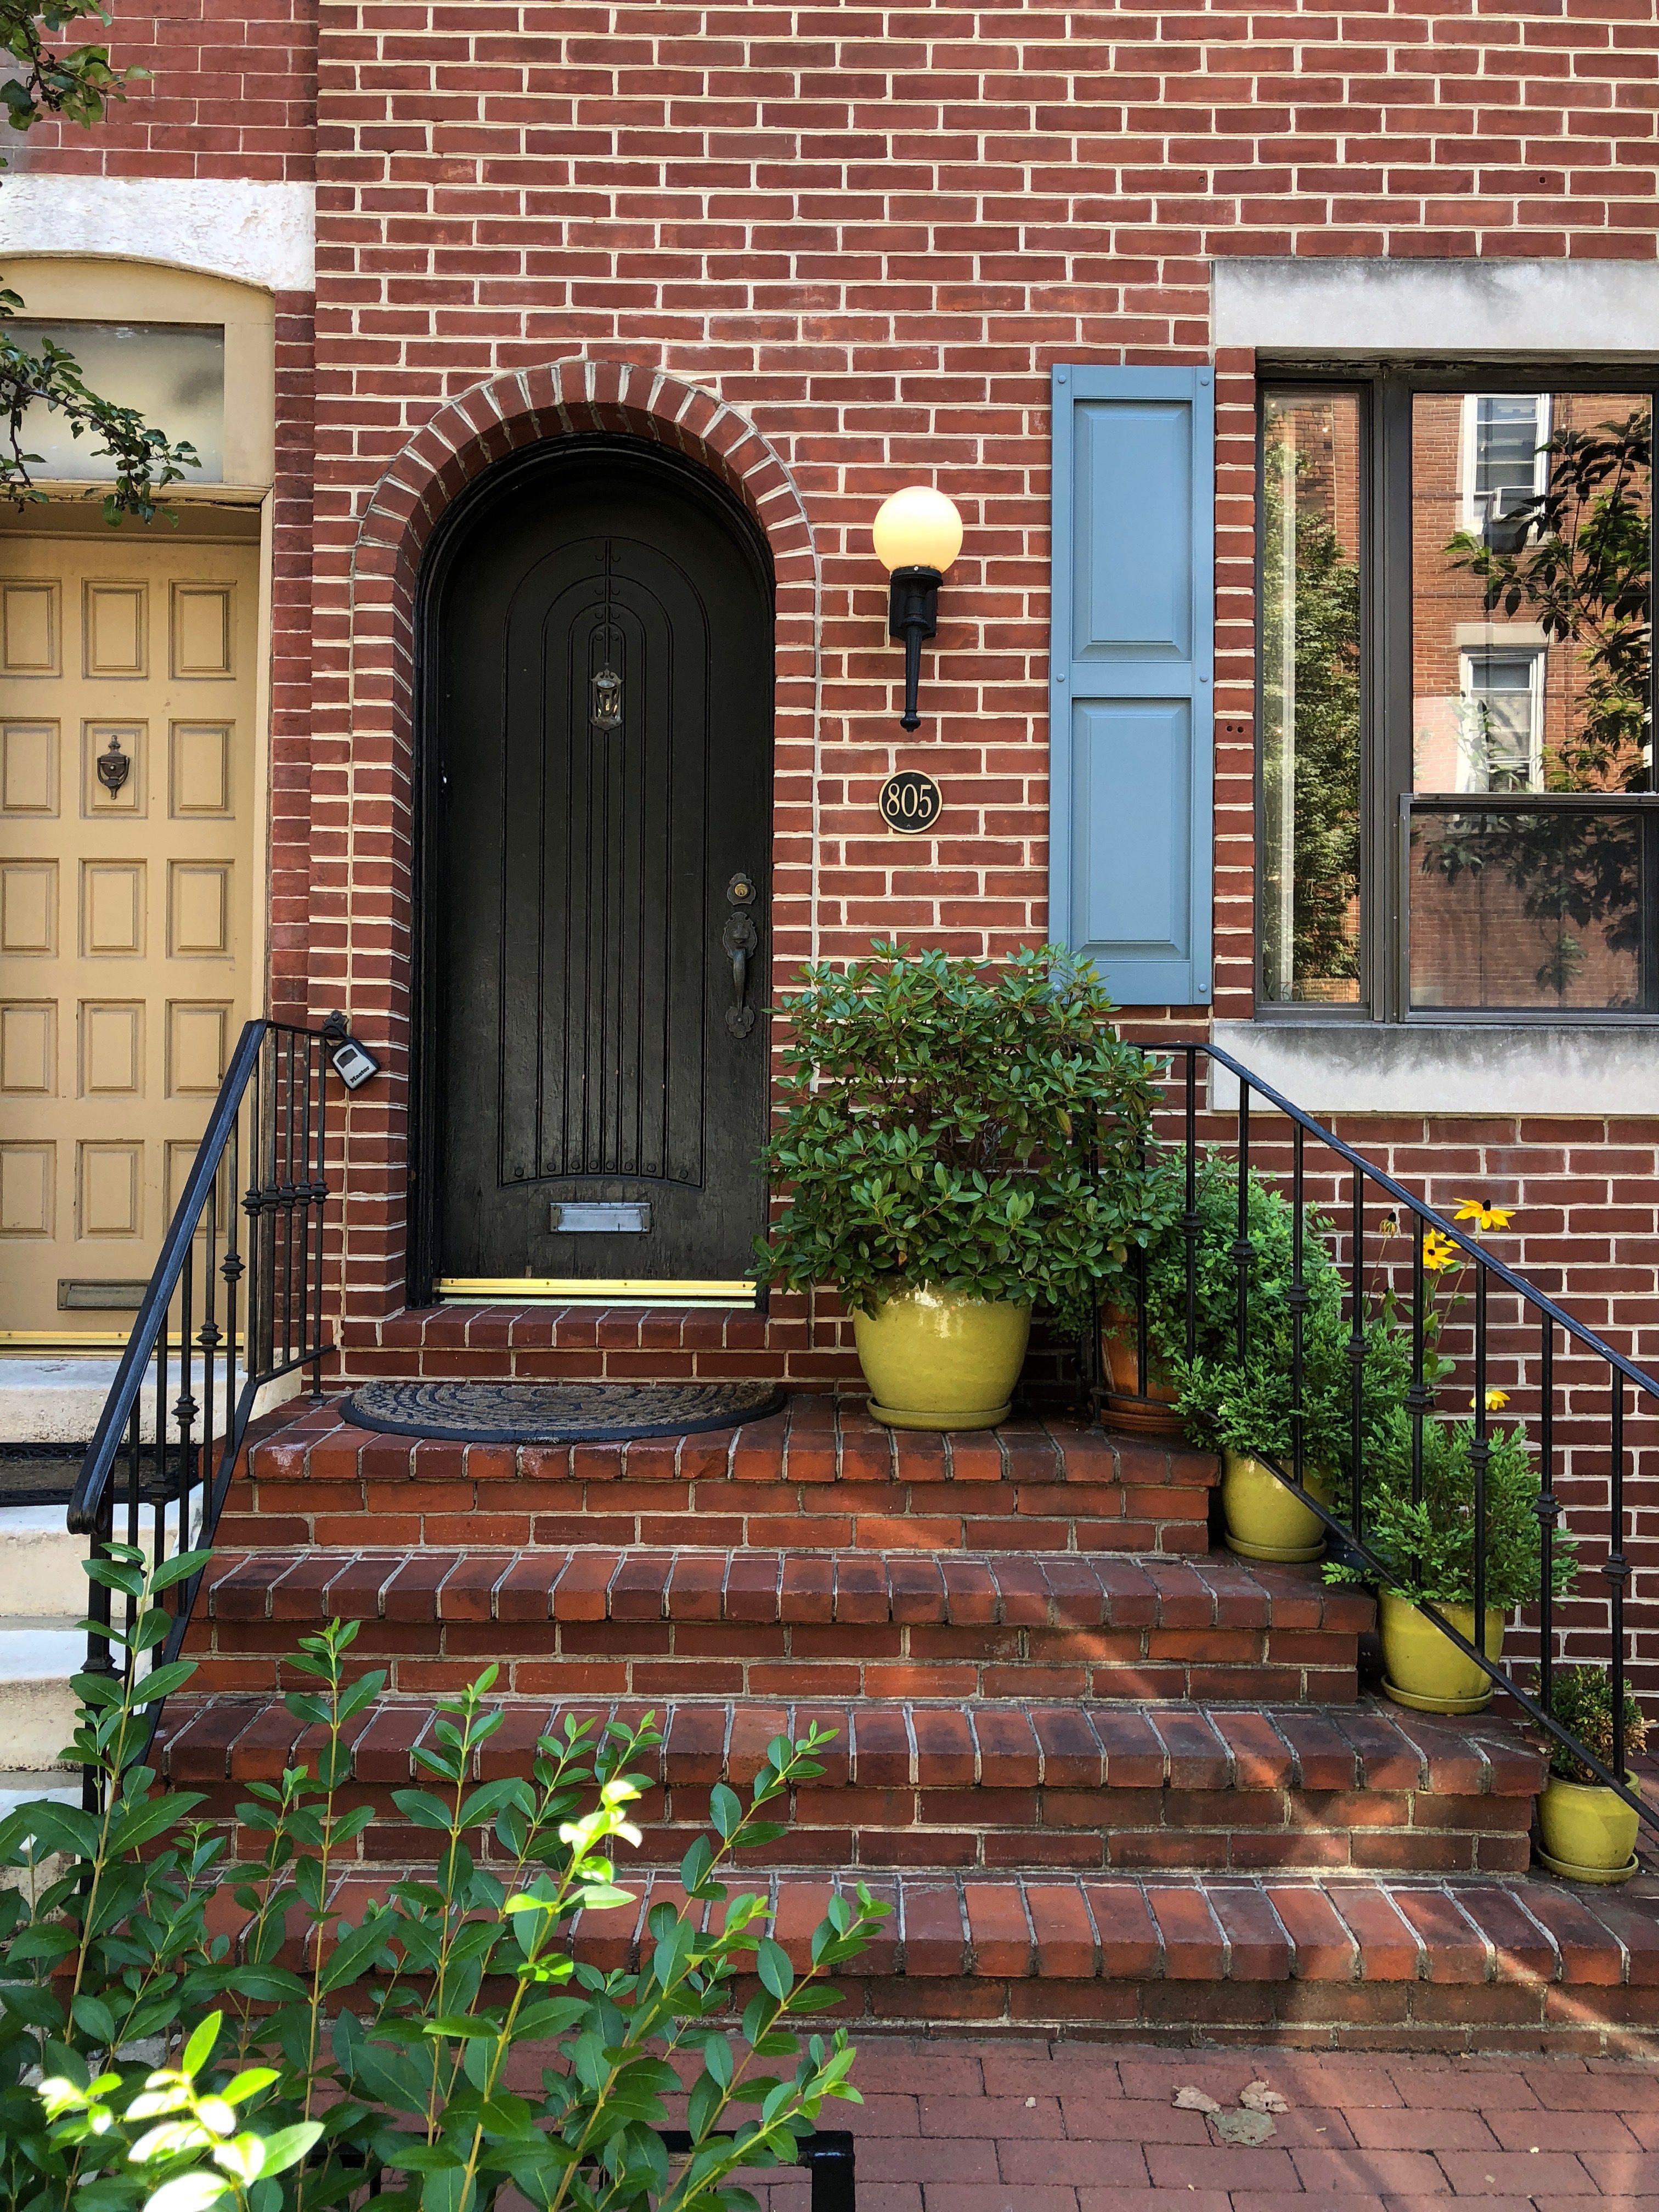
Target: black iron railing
(235, 1302)
(1351, 1186)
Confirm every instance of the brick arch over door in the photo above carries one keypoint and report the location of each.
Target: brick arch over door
(361, 862)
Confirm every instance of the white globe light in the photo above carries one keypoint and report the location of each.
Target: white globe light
(917, 528)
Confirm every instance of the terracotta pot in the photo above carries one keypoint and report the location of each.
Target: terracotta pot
(1424, 1668)
(1153, 1415)
(1588, 1831)
(934, 1359)
(1265, 1519)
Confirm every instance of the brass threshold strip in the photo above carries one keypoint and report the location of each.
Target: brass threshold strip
(89, 1340)
(590, 1290)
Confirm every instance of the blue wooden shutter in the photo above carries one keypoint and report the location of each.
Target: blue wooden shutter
(1131, 669)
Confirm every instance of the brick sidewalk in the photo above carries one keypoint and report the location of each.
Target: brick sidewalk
(959, 2126)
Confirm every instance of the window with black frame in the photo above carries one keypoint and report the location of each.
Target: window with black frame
(1458, 809)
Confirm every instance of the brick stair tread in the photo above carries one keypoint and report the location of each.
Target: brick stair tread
(816, 1439)
(1057, 1590)
(1013, 1744)
(1119, 1928)
(1238, 1929)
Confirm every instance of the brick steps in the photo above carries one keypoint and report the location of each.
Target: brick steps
(1389, 1962)
(621, 1622)
(820, 1474)
(1001, 1785)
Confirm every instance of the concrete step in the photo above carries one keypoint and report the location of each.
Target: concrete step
(819, 1474)
(768, 1624)
(1010, 1784)
(41, 1565)
(37, 1706)
(57, 1399)
(59, 1784)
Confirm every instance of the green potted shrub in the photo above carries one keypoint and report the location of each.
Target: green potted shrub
(1247, 1410)
(1588, 1832)
(1160, 1409)
(1427, 1549)
(957, 1143)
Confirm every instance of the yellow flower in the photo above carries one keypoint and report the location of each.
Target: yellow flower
(1483, 1213)
(1496, 1401)
(1439, 1253)
(1388, 1226)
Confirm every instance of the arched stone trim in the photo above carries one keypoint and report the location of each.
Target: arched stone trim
(364, 750)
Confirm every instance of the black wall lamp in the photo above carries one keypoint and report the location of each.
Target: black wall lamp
(917, 534)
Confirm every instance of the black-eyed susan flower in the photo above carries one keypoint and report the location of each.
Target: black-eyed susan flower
(1483, 1213)
(1439, 1253)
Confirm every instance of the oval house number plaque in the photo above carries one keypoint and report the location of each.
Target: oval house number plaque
(910, 802)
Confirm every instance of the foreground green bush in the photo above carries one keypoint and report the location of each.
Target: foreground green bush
(322, 2059)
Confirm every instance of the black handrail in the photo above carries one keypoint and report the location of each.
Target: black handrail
(1420, 1398)
(212, 1293)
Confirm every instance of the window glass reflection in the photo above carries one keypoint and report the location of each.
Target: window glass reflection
(1311, 695)
(173, 374)
(1531, 590)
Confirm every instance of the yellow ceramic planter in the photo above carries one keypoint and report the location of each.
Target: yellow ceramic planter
(934, 1359)
(1588, 1832)
(1424, 1668)
(1265, 1519)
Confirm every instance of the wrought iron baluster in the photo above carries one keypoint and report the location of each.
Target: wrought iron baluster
(1356, 1352)
(185, 1410)
(1618, 1573)
(288, 1197)
(1243, 1252)
(1418, 1399)
(1547, 1509)
(162, 1420)
(312, 1232)
(231, 1266)
(132, 1528)
(319, 1188)
(1298, 1301)
(1480, 1452)
(99, 1614)
(209, 1337)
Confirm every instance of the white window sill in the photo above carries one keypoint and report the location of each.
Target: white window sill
(1482, 1067)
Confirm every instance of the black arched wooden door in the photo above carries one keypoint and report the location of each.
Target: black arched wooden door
(599, 726)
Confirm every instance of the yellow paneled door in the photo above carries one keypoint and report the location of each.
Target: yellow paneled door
(127, 688)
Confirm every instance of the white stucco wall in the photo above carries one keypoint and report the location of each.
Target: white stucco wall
(256, 234)
(1573, 308)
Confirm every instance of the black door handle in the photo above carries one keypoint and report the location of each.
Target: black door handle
(739, 939)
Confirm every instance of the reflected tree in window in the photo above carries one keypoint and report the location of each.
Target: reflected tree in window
(1575, 559)
(1578, 563)
(1310, 704)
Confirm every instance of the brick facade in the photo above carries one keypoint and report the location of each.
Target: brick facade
(828, 252)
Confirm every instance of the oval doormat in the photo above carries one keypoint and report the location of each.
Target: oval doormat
(556, 1412)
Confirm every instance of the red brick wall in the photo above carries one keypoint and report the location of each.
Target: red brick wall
(868, 235)
(233, 94)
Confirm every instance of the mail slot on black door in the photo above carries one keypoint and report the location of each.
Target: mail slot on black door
(626, 1218)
